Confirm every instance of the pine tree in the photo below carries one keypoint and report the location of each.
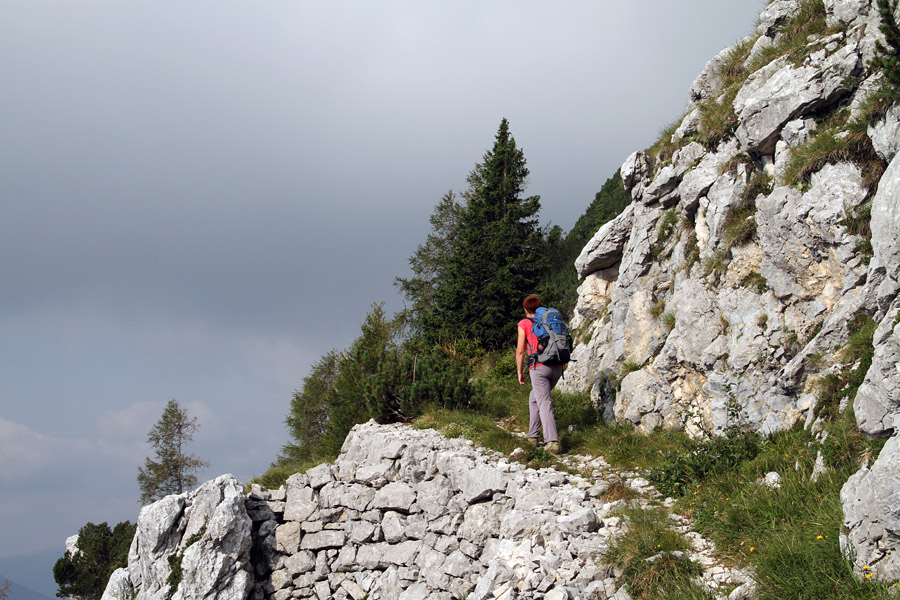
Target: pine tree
(173, 471)
(496, 260)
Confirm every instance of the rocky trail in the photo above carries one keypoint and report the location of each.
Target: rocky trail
(403, 514)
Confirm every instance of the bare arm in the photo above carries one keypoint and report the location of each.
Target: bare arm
(520, 355)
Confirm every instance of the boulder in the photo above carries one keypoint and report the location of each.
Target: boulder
(781, 92)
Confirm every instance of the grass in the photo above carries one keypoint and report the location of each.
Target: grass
(840, 139)
(664, 232)
(755, 282)
(669, 321)
(716, 265)
(794, 40)
(652, 557)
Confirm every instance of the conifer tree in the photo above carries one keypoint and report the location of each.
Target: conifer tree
(173, 470)
(429, 263)
(101, 551)
(888, 57)
(496, 259)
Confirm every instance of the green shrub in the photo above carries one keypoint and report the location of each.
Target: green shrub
(887, 58)
(101, 551)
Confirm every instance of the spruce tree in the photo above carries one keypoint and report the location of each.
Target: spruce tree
(496, 260)
(429, 263)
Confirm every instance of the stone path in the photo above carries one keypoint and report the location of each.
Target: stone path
(722, 581)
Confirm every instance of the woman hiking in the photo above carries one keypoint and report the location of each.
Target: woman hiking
(543, 379)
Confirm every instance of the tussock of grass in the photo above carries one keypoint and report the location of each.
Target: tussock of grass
(668, 569)
(718, 120)
(664, 148)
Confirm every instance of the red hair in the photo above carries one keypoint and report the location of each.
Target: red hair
(532, 303)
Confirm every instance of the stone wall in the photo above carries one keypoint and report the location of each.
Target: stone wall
(401, 514)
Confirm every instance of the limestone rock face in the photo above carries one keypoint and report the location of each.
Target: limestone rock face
(714, 292)
(780, 92)
(872, 514)
(205, 534)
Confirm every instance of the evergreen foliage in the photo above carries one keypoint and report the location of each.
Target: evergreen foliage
(101, 551)
(497, 258)
(429, 263)
(173, 470)
(377, 377)
(888, 57)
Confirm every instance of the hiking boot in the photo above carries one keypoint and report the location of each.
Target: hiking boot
(533, 441)
(553, 448)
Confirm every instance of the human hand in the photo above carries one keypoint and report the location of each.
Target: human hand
(521, 378)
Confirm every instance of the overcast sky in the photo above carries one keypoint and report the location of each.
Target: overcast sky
(199, 199)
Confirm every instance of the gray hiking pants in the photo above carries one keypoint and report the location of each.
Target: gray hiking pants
(540, 405)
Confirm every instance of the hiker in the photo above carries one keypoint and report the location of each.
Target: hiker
(543, 378)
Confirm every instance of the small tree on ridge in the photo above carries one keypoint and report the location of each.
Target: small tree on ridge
(173, 471)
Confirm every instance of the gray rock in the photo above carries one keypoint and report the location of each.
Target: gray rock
(877, 402)
(886, 134)
(779, 93)
(301, 499)
(605, 247)
(871, 530)
(481, 483)
(119, 586)
(846, 12)
(287, 537)
(635, 172)
(397, 495)
(323, 540)
(776, 13)
(319, 476)
(208, 530)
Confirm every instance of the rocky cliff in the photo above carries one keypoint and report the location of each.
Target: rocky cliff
(726, 291)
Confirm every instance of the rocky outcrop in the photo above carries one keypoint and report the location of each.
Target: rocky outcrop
(402, 513)
(723, 294)
(191, 546)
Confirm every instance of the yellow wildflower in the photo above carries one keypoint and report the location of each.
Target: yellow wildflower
(818, 537)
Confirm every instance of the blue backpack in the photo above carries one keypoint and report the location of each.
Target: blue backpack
(554, 341)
